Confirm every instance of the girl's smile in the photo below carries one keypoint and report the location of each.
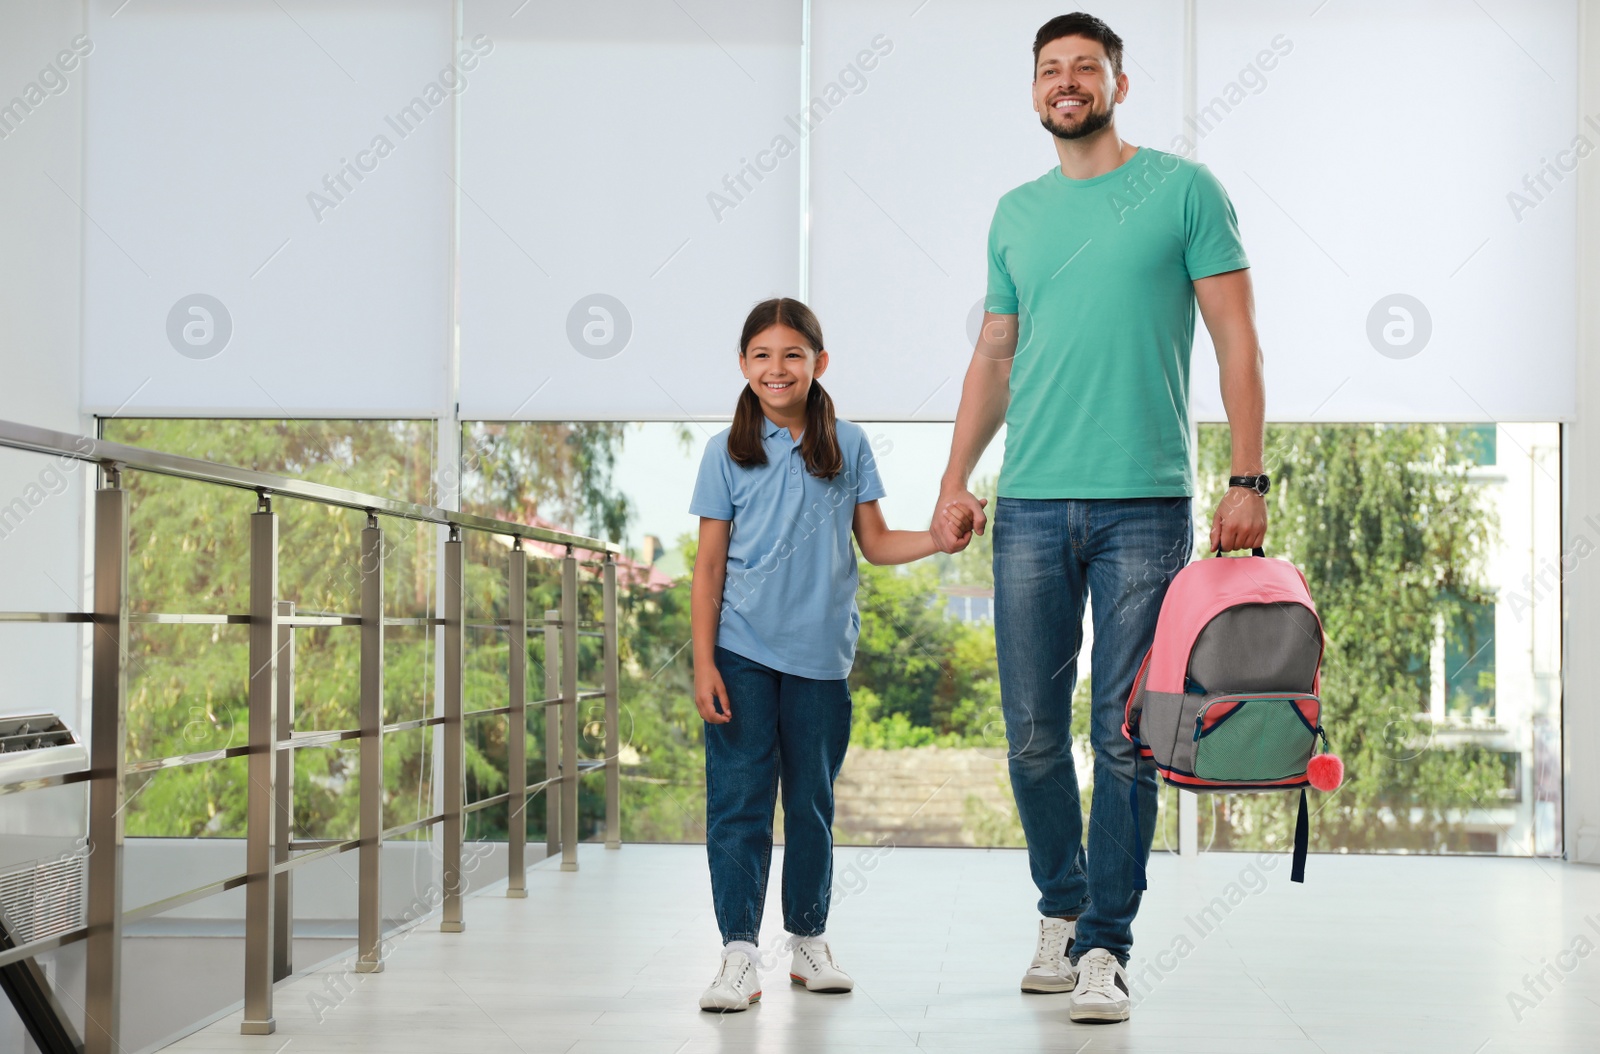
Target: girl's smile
(780, 365)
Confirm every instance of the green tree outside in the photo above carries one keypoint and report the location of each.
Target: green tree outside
(1392, 535)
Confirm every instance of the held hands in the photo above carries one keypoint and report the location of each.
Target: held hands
(1241, 520)
(958, 516)
(708, 690)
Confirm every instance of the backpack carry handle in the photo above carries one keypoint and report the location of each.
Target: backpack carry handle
(1257, 551)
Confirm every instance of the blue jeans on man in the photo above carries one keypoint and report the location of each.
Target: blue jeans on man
(1050, 557)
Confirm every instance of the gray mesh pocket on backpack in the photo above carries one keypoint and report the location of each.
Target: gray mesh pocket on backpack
(1258, 648)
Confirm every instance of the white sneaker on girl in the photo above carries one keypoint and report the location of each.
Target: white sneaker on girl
(814, 967)
(736, 986)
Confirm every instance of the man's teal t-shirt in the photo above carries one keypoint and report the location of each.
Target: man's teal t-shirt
(1099, 272)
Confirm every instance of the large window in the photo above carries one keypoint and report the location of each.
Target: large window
(1440, 680)
(1432, 552)
(187, 685)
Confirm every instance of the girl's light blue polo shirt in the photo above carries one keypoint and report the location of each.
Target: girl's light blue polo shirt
(789, 601)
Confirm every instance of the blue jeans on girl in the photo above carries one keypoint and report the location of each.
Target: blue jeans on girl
(1050, 555)
(789, 730)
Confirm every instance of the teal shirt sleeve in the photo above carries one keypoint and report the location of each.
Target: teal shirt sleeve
(1211, 230)
(1001, 298)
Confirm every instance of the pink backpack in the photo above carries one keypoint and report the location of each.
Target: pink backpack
(1226, 698)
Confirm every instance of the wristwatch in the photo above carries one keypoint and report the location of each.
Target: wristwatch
(1260, 484)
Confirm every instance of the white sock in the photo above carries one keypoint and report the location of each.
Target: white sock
(795, 941)
(741, 946)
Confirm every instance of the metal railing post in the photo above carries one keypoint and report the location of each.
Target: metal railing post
(610, 641)
(261, 807)
(452, 585)
(102, 1025)
(283, 886)
(369, 895)
(569, 712)
(517, 726)
(552, 734)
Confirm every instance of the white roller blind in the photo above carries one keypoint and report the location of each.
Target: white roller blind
(631, 187)
(630, 182)
(906, 174)
(209, 127)
(1374, 163)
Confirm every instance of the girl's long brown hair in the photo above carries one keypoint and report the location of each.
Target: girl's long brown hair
(820, 444)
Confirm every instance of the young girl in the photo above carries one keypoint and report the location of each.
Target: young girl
(775, 627)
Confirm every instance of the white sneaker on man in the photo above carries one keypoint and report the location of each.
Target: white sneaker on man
(1052, 969)
(814, 967)
(1102, 990)
(736, 986)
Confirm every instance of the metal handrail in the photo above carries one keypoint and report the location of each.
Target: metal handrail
(46, 616)
(42, 945)
(180, 760)
(103, 452)
(272, 742)
(41, 782)
(188, 896)
(283, 866)
(586, 766)
(156, 618)
(407, 726)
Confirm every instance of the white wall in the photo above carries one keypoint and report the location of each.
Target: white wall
(41, 556)
(41, 507)
(1581, 539)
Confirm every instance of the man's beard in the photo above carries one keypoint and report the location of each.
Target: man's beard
(1091, 124)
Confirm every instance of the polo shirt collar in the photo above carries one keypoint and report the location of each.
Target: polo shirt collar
(772, 430)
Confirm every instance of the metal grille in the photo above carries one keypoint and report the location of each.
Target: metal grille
(43, 898)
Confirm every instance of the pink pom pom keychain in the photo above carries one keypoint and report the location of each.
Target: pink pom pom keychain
(1325, 771)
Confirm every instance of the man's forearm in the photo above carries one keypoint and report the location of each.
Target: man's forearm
(1227, 302)
(1244, 399)
(984, 395)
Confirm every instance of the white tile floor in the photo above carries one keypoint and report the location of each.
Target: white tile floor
(1373, 954)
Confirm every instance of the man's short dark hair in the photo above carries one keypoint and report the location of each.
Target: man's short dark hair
(1079, 24)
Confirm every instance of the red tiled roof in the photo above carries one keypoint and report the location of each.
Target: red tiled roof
(630, 572)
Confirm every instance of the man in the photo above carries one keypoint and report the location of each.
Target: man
(1094, 273)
